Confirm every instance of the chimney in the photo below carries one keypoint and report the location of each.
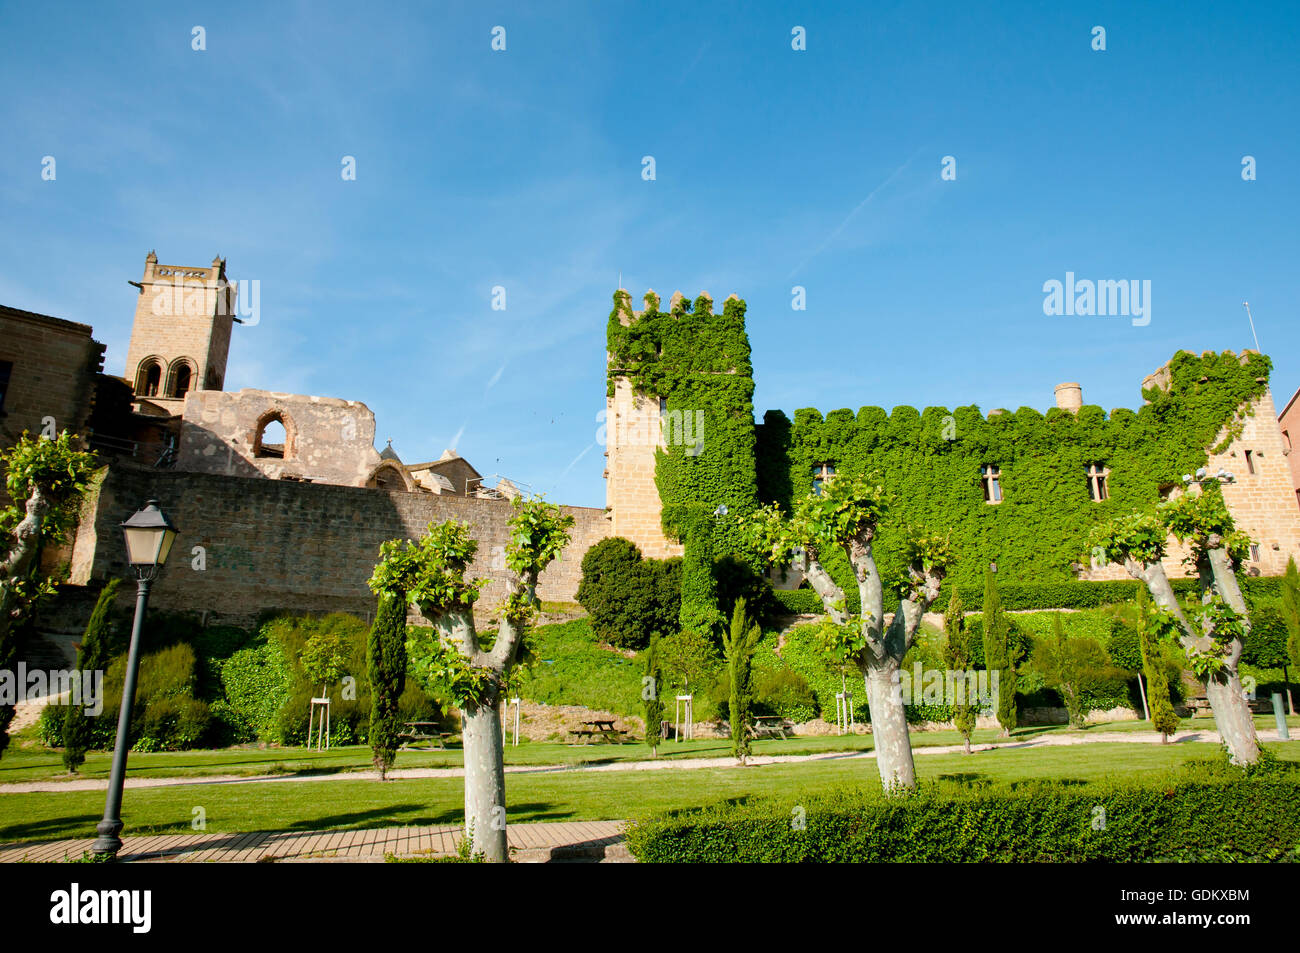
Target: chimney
(1069, 397)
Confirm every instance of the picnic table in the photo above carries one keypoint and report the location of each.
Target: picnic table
(426, 731)
(598, 728)
(770, 725)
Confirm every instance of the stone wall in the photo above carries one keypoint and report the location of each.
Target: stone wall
(328, 440)
(274, 544)
(55, 363)
(1262, 502)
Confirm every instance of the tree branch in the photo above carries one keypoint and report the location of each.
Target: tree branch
(871, 592)
(831, 594)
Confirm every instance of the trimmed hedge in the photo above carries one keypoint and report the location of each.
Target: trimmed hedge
(1079, 594)
(1208, 810)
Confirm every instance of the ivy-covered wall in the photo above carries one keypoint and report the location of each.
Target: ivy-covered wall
(697, 361)
(932, 460)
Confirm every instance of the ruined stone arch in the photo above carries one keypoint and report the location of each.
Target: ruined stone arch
(181, 377)
(149, 376)
(390, 476)
(270, 450)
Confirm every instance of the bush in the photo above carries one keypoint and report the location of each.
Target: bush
(1208, 810)
(784, 692)
(569, 668)
(254, 683)
(628, 598)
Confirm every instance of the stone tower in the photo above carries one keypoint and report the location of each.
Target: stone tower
(633, 433)
(181, 335)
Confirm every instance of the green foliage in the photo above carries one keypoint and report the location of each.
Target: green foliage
(386, 655)
(784, 692)
(698, 363)
(56, 468)
(958, 657)
(1159, 700)
(255, 684)
(1202, 812)
(1291, 611)
(931, 460)
(324, 657)
(430, 571)
(1068, 665)
(652, 695)
(627, 597)
(571, 668)
(738, 647)
(690, 660)
(92, 656)
(1001, 653)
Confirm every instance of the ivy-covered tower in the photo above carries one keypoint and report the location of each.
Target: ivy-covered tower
(680, 435)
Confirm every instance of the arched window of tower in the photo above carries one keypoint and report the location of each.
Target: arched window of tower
(180, 378)
(148, 379)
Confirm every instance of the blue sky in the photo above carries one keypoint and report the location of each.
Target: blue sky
(774, 168)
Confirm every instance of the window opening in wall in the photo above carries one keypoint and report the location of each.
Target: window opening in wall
(272, 439)
(991, 481)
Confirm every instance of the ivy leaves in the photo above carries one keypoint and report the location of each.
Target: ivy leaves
(1139, 537)
(56, 468)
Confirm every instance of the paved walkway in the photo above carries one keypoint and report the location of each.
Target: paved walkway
(566, 840)
(661, 764)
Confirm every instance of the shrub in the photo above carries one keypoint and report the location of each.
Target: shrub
(784, 692)
(569, 668)
(1205, 811)
(91, 656)
(628, 598)
(255, 684)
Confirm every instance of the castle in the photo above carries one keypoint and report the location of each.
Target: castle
(282, 500)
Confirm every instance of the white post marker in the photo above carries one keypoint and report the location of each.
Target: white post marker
(684, 702)
(321, 706)
(515, 702)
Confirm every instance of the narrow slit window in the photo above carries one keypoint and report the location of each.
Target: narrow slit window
(1098, 480)
(991, 481)
(1250, 462)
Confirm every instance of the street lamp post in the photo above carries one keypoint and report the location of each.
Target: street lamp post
(149, 535)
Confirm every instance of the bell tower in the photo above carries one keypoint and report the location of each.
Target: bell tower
(180, 338)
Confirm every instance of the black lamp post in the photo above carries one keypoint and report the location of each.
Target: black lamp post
(149, 535)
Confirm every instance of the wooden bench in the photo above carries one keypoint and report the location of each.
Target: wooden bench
(423, 731)
(770, 727)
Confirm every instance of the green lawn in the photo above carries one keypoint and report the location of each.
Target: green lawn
(308, 805)
(42, 764)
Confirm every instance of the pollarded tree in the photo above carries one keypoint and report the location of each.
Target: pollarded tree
(386, 656)
(46, 479)
(957, 656)
(430, 573)
(1213, 637)
(738, 647)
(846, 514)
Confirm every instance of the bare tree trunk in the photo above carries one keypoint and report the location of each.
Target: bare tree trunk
(1233, 718)
(966, 741)
(889, 724)
(485, 782)
(1232, 715)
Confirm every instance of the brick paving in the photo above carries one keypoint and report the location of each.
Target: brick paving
(540, 841)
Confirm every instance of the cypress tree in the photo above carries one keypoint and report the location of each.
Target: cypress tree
(738, 648)
(957, 655)
(1291, 616)
(1163, 718)
(93, 655)
(652, 687)
(386, 653)
(1000, 655)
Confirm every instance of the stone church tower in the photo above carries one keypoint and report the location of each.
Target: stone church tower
(181, 335)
